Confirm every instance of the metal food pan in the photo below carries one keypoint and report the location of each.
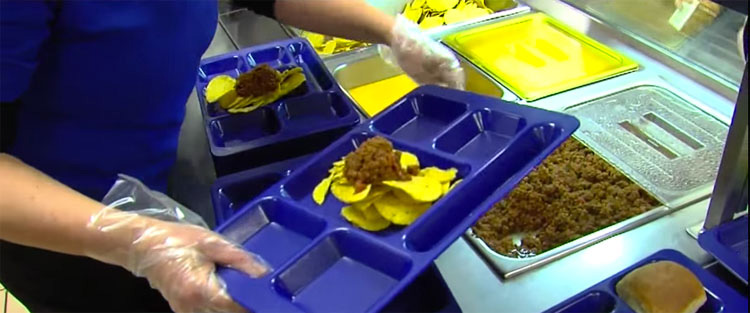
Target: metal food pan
(366, 66)
(673, 199)
(394, 7)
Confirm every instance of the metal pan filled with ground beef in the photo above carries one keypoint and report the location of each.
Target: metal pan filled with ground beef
(572, 199)
(665, 154)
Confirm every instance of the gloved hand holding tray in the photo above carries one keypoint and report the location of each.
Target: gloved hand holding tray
(323, 263)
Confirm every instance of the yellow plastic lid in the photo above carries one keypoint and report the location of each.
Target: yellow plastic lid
(536, 56)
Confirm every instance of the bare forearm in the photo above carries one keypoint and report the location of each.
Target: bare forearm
(37, 211)
(351, 19)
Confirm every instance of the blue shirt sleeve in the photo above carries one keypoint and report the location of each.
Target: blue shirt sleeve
(24, 27)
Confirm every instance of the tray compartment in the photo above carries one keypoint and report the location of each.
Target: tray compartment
(593, 302)
(238, 129)
(300, 186)
(230, 193)
(317, 109)
(237, 195)
(505, 171)
(423, 118)
(274, 229)
(347, 266)
(273, 56)
(231, 65)
(305, 56)
(728, 243)
(481, 135)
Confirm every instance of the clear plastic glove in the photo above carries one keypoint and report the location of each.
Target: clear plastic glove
(423, 59)
(176, 257)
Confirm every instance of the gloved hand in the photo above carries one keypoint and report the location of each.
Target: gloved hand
(423, 59)
(177, 258)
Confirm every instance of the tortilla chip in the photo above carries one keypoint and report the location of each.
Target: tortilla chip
(431, 22)
(321, 190)
(399, 212)
(441, 5)
(407, 159)
(453, 185)
(346, 192)
(359, 219)
(420, 188)
(442, 176)
(219, 86)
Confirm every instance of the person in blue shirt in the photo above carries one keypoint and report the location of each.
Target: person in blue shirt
(90, 89)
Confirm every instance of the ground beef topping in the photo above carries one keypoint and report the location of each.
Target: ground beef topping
(261, 80)
(572, 193)
(374, 161)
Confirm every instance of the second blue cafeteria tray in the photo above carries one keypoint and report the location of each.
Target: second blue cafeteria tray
(602, 297)
(229, 193)
(303, 122)
(324, 264)
(728, 244)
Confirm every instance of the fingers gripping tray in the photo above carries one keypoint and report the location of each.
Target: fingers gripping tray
(322, 263)
(304, 121)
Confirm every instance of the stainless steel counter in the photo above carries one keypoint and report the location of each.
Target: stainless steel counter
(478, 288)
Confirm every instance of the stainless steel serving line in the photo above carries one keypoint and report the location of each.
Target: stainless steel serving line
(480, 279)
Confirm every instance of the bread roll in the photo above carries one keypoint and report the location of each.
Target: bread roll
(662, 287)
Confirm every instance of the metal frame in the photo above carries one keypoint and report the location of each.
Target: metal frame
(730, 190)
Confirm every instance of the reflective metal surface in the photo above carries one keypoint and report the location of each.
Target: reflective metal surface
(509, 267)
(653, 57)
(635, 169)
(364, 67)
(245, 28)
(657, 139)
(479, 284)
(480, 288)
(394, 7)
(708, 40)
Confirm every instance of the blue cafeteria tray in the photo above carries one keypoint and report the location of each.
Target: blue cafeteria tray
(303, 122)
(324, 264)
(427, 293)
(229, 193)
(603, 298)
(728, 244)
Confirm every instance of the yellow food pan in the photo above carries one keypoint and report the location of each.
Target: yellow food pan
(536, 56)
(378, 96)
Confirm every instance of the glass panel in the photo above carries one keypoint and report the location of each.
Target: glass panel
(708, 38)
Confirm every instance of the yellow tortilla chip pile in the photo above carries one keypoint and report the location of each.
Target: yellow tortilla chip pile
(222, 89)
(434, 13)
(331, 45)
(392, 202)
